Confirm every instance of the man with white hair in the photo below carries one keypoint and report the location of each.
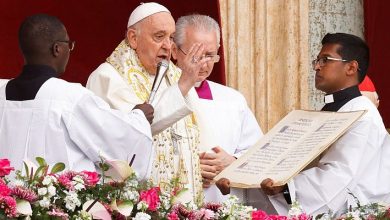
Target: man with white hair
(227, 125)
(126, 78)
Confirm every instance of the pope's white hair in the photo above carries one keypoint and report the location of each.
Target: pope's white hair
(199, 22)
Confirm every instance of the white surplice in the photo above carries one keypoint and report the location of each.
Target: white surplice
(3, 82)
(68, 123)
(358, 162)
(225, 121)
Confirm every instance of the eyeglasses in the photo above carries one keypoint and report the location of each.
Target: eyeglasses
(70, 43)
(323, 60)
(213, 57)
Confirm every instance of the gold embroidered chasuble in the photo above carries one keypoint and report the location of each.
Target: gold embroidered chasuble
(176, 148)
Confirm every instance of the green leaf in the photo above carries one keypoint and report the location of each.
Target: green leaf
(27, 170)
(38, 172)
(104, 166)
(41, 161)
(58, 167)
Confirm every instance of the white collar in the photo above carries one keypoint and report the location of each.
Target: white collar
(329, 98)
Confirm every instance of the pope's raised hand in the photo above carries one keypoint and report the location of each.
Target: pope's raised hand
(190, 66)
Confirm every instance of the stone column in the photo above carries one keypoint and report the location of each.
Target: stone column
(267, 54)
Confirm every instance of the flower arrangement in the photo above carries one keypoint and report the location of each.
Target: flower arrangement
(44, 192)
(370, 211)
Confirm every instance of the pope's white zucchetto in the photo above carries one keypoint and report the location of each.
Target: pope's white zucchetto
(145, 10)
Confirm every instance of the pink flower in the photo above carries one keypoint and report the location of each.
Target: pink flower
(260, 215)
(58, 213)
(4, 190)
(65, 179)
(303, 216)
(173, 216)
(24, 193)
(278, 217)
(212, 206)
(5, 169)
(8, 204)
(388, 213)
(92, 178)
(151, 197)
(205, 214)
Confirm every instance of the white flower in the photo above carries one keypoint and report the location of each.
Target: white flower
(78, 183)
(130, 195)
(83, 215)
(48, 180)
(42, 191)
(165, 202)
(142, 205)
(142, 216)
(44, 202)
(51, 190)
(192, 205)
(79, 186)
(72, 201)
(131, 183)
(355, 215)
(295, 209)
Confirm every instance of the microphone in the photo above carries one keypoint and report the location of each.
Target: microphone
(162, 68)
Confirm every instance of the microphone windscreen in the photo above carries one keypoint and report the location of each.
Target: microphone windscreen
(162, 68)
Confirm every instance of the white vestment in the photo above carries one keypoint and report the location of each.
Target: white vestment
(68, 123)
(3, 82)
(123, 82)
(358, 162)
(225, 121)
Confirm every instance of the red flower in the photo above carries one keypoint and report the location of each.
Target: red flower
(260, 215)
(92, 178)
(4, 190)
(151, 197)
(5, 169)
(303, 216)
(278, 217)
(173, 216)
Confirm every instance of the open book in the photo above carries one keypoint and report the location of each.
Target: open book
(290, 146)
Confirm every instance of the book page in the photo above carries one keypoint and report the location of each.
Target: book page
(288, 147)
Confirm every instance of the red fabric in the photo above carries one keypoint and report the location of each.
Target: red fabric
(377, 34)
(204, 91)
(96, 26)
(367, 85)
